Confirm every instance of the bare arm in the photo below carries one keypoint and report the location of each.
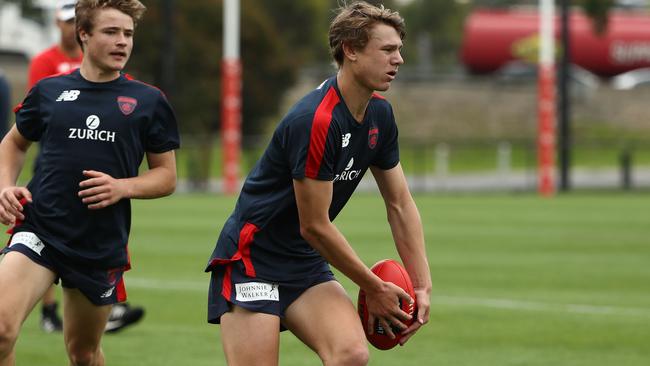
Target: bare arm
(101, 190)
(406, 226)
(13, 149)
(313, 198)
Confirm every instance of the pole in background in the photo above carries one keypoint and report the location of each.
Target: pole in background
(168, 63)
(546, 100)
(231, 97)
(564, 124)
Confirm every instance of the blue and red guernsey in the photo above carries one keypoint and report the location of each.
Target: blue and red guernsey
(317, 139)
(82, 125)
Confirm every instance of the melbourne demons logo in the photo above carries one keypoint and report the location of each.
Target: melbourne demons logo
(373, 135)
(127, 104)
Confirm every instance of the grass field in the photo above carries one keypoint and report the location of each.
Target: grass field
(518, 280)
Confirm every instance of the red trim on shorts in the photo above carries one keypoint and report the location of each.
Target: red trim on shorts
(226, 285)
(121, 290)
(245, 240)
(319, 127)
(246, 236)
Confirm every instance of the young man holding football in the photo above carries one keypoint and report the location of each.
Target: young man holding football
(71, 223)
(270, 266)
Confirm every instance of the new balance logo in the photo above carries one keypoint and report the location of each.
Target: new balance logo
(346, 139)
(108, 293)
(68, 96)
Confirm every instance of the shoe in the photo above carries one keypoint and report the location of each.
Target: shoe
(122, 315)
(50, 321)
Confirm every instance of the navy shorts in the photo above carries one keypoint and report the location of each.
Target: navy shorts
(100, 286)
(255, 294)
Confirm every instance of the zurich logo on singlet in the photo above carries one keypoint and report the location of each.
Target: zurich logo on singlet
(348, 174)
(91, 132)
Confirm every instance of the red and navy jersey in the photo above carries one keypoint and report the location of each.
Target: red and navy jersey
(82, 125)
(317, 139)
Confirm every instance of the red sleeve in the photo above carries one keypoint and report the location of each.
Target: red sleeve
(39, 68)
(321, 150)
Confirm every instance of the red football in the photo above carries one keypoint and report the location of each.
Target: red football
(389, 271)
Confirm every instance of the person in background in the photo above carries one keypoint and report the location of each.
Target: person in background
(5, 102)
(64, 57)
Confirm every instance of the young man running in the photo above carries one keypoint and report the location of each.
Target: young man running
(64, 57)
(71, 223)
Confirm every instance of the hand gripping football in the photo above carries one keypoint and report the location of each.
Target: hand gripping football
(389, 271)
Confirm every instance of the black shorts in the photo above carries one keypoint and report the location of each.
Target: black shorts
(100, 286)
(255, 294)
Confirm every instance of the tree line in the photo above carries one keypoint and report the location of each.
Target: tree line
(178, 47)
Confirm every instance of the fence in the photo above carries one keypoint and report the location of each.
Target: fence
(512, 165)
(461, 166)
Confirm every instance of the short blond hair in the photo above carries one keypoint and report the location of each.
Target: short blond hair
(353, 23)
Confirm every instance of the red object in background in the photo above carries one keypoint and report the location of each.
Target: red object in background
(490, 36)
(231, 123)
(546, 131)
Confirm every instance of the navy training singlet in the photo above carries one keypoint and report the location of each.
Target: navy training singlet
(82, 125)
(317, 139)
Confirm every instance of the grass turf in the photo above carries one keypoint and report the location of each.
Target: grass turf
(518, 280)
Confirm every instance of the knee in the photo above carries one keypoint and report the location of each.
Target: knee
(8, 336)
(80, 356)
(356, 356)
(350, 355)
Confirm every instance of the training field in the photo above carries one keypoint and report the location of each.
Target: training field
(517, 280)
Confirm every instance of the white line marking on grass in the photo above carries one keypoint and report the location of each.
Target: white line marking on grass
(539, 306)
(176, 285)
(523, 305)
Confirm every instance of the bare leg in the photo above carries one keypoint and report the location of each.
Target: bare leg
(325, 319)
(22, 284)
(50, 296)
(250, 338)
(83, 327)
